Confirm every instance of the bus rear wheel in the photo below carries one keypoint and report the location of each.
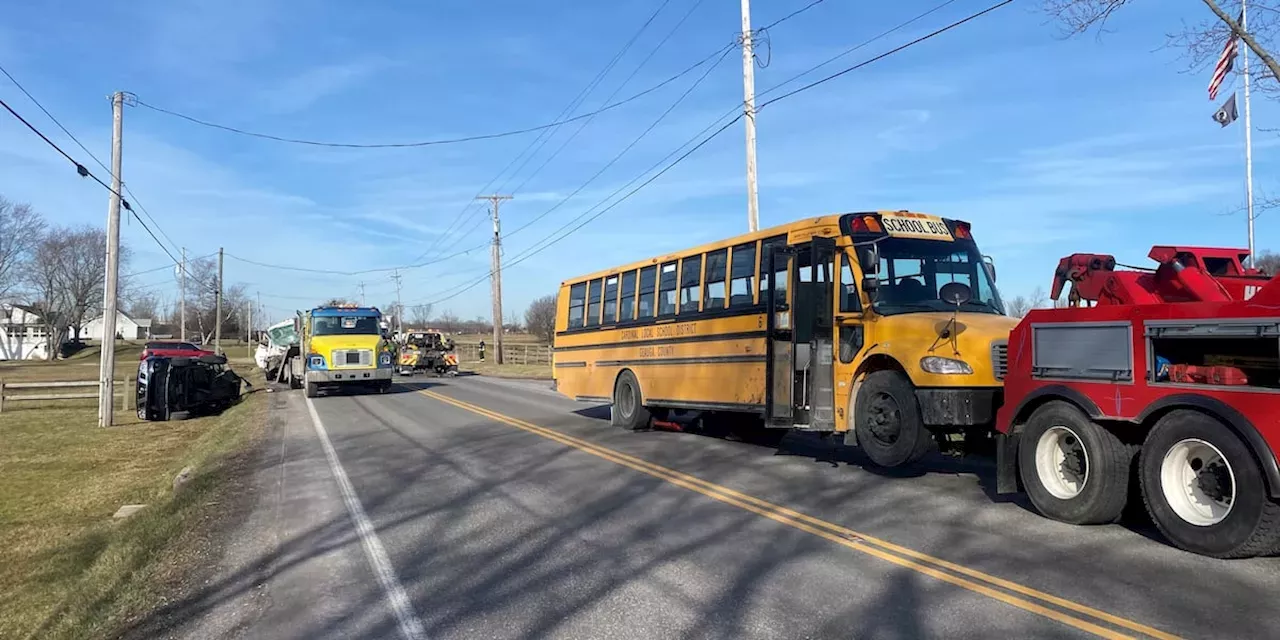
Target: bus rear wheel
(887, 420)
(629, 411)
(1204, 489)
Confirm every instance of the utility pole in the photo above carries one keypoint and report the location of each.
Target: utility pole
(749, 110)
(399, 305)
(111, 286)
(217, 313)
(249, 328)
(362, 293)
(182, 303)
(495, 266)
(1248, 134)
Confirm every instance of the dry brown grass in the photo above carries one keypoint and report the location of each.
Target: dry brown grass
(67, 569)
(535, 371)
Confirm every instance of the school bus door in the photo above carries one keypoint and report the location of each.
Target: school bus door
(799, 391)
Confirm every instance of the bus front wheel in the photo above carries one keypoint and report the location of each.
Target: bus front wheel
(629, 411)
(887, 420)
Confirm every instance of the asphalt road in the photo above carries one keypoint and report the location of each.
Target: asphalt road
(483, 508)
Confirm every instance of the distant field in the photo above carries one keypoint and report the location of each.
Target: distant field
(67, 569)
(536, 371)
(510, 338)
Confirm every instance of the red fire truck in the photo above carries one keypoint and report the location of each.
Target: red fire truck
(1170, 375)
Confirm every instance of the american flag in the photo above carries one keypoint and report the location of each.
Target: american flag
(1225, 63)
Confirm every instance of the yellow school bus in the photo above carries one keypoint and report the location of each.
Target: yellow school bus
(884, 326)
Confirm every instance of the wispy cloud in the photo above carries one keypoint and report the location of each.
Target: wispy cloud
(304, 89)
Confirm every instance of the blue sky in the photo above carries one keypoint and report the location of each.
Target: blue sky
(1047, 145)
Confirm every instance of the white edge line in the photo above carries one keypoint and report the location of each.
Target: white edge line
(379, 561)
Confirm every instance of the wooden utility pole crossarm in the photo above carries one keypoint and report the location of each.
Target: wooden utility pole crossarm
(495, 269)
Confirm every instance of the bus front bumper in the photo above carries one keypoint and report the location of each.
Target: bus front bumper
(322, 376)
(958, 406)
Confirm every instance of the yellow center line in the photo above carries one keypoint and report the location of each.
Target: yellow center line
(896, 554)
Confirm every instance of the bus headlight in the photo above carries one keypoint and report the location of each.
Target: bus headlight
(944, 366)
(316, 362)
(385, 359)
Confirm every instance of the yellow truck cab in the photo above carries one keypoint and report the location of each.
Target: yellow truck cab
(344, 346)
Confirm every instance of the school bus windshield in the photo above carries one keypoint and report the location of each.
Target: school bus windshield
(912, 271)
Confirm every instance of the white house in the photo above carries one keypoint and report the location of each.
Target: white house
(126, 328)
(22, 334)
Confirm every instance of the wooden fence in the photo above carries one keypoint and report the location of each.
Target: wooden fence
(512, 353)
(124, 387)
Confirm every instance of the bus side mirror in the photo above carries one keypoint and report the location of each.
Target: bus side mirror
(870, 258)
(870, 284)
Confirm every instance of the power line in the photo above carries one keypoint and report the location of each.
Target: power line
(167, 266)
(860, 45)
(84, 172)
(629, 78)
(624, 151)
(85, 149)
(791, 15)
(421, 143)
(550, 241)
(545, 136)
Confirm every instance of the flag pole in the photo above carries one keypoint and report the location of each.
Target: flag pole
(1248, 135)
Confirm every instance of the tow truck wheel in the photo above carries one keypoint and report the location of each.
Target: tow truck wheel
(1073, 469)
(887, 420)
(313, 389)
(1204, 489)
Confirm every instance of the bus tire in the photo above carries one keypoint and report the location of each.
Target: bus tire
(887, 420)
(629, 411)
(1204, 489)
(1073, 469)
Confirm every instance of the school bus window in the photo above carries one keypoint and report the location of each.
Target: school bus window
(577, 304)
(648, 279)
(690, 276)
(627, 299)
(610, 299)
(667, 290)
(849, 301)
(742, 275)
(780, 293)
(593, 303)
(715, 280)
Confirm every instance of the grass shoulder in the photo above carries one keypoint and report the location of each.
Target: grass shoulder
(67, 568)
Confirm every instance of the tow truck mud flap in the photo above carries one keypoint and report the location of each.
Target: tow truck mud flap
(1006, 463)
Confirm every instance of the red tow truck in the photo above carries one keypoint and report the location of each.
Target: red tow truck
(1170, 375)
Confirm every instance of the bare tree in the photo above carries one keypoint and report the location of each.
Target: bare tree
(421, 315)
(84, 271)
(335, 302)
(44, 276)
(1268, 262)
(449, 321)
(1017, 306)
(21, 229)
(144, 305)
(1201, 42)
(540, 317)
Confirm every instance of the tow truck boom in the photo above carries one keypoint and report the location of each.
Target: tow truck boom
(1183, 274)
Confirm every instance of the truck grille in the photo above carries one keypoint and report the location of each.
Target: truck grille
(1000, 358)
(353, 358)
